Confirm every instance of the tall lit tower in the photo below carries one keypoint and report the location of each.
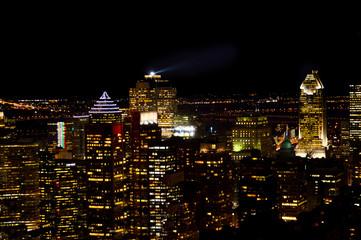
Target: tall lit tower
(355, 114)
(144, 131)
(106, 187)
(312, 118)
(355, 132)
(164, 191)
(155, 94)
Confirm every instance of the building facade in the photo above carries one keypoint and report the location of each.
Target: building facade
(355, 133)
(213, 171)
(19, 185)
(164, 192)
(141, 135)
(256, 189)
(106, 186)
(252, 132)
(312, 118)
(61, 196)
(155, 94)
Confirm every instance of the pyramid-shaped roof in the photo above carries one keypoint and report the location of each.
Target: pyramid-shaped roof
(312, 82)
(104, 105)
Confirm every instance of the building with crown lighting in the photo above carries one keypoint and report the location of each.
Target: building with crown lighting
(105, 111)
(312, 118)
(106, 186)
(155, 94)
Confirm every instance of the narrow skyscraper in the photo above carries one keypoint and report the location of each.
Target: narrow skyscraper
(355, 114)
(312, 118)
(106, 185)
(355, 133)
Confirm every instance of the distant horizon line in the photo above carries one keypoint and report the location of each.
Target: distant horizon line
(260, 94)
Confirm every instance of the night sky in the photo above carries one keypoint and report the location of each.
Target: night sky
(84, 50)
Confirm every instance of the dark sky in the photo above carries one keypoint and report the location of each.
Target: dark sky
(53, 51)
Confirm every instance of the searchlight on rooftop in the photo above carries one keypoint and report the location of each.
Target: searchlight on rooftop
(152, 75)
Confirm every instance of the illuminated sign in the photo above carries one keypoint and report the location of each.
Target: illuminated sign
(61, 134)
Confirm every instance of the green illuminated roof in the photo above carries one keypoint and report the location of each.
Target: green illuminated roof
(286, 144)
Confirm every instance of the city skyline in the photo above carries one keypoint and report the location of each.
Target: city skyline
(97, 170)
(189, 121)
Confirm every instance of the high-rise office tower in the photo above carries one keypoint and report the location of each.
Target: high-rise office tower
(355, 132)
(355, 114)
(214, 173)
(291, 183)
(256, 187)
(19, 190)
(164, 192)
(60, 134)
(252, 132)
(105, 163)
(61, 207)
(155, 94)
(326, 183)
(47, 186)
(312, 119)
(143, 132)
(79, 136)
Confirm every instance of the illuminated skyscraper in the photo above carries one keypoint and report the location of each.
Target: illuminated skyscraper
(142, 98)
(291, 183)
(106, 191)
(19, 189)
(60, 135)
(142, 134)
(105, 111)
(60, 197)
(312, 119)
(355, 114)
(155, 94)
(164, 193)
(214, 173)
(355, 132)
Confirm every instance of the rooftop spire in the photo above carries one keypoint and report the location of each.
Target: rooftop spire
(104, 96)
